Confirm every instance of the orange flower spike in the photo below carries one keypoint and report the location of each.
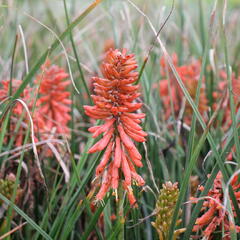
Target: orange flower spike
(113, 99)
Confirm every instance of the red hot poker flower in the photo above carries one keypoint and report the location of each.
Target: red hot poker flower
(114, 103)
(190, 75)
(53, 106)
(214, 217)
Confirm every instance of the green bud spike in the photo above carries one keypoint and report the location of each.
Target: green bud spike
(164, 210)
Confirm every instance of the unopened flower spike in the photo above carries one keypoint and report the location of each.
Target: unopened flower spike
(115, 103)
(164, 211)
